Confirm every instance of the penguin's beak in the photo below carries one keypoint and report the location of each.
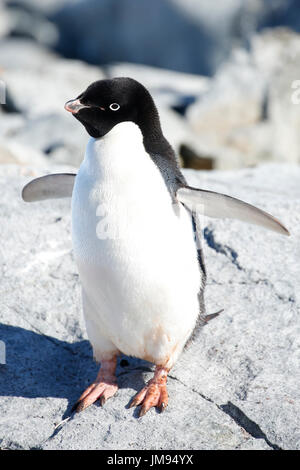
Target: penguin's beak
(73, 106)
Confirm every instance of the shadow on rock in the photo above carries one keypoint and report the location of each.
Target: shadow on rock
(43, 366)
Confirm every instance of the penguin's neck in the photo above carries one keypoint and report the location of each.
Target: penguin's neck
(149, 124)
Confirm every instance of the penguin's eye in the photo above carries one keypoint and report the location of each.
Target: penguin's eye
(114, 106)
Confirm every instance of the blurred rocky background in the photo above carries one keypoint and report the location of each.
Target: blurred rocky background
(225, 76)
(221, 75)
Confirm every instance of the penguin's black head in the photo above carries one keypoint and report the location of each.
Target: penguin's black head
(106, 103)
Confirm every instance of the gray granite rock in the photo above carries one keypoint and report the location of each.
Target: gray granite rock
(249, 111)
(30, 23)
(39, 81)
(57, 135)
(237, 385)
(173, 34)
(13, 152)
(185, 35)
(232, 102)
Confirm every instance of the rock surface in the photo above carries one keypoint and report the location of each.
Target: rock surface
(185, 35)
(249, 111)
(39, 83)
(237, 385)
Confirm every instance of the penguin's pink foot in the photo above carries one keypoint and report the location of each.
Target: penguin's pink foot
(103, 388)
(154, 393)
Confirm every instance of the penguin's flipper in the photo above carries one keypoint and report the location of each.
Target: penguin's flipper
(49, 187)
(219, 205)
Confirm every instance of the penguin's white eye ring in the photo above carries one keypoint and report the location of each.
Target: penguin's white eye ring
(114, 106)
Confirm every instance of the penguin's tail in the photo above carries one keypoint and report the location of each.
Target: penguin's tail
(211, 316)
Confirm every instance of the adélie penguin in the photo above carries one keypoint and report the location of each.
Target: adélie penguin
(136, 237)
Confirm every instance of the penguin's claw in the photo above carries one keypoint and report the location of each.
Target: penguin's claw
(97, 391)
(104, 387)
(153, 394)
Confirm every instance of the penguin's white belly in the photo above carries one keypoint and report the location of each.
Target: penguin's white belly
(136, 255)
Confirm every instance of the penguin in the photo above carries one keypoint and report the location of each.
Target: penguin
(136, 237)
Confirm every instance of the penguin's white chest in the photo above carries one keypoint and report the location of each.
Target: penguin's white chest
(135, 251)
